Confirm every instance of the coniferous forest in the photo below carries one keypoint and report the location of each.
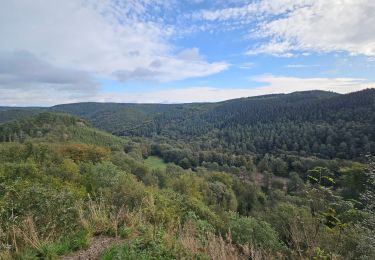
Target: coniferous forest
(289, 176)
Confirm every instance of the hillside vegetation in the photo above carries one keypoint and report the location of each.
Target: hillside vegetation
(62, 183)
(311, 123)
(56, 128)
(318, 123)
(9, 114)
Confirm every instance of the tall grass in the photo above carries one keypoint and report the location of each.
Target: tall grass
(141, 235)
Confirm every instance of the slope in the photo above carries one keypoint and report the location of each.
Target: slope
(306, 123)
(56, 127)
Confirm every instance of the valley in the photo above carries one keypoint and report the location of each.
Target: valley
(270, 177)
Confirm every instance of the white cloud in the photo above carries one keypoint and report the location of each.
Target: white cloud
(52, 51)
(287, 26)
(283, 84)
(183, 95)
(18, 69)
(249, 12)
(247, 65)
(101, 37)
(41, 95)
(296, 66)
(188, 63)
(323, 26)
(270, 85)
(300, 66)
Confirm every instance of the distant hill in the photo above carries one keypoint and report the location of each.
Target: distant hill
(122, 119)
(317, 123)
(10, 113)
(117, 117)
(320, 123)
(56, 127)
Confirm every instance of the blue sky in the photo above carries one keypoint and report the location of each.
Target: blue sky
(172, 51)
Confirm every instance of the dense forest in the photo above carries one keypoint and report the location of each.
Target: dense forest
(321, 124)
(272, 177)
(317, 123)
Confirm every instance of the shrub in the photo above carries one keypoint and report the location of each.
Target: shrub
(53, 209)
(85, 152)
(257, 233)
(144, 249)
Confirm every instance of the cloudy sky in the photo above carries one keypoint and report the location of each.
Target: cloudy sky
(172, 51)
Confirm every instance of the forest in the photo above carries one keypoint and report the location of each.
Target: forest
(289, 176)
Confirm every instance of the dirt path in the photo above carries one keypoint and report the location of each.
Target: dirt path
(98, 245)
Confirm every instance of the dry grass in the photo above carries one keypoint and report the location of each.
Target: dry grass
(213, 246)
(21, 236)
(102, 219)
(218, 247)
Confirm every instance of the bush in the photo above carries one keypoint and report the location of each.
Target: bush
(54, 209)
(85, 152)
(144, 249)
(257, 233)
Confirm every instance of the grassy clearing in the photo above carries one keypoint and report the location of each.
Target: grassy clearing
(155, 163)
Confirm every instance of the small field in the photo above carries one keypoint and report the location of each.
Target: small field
(155, 163)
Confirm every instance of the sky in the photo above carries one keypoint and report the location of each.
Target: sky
(177, 51)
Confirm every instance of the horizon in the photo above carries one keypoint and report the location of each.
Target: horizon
(207, 102)
(175, 52)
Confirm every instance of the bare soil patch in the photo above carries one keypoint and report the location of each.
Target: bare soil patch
(98, 245)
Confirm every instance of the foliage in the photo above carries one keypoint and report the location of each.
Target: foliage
(196, 181)
(143, 249)
(258, 233)
(155, 163)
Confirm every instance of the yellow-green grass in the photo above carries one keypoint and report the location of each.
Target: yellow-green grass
(155, 163)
